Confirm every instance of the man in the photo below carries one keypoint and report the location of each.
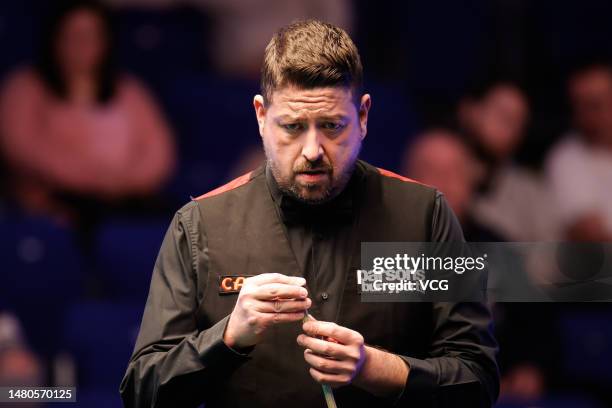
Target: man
(293, 229)
(580, 166)
(441, 159)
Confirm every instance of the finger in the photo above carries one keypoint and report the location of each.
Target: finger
(309, 317)
(275, 291)
(328, 329)
(335, 380)
(276, 318)
(276, 278)
(326, 365)
(282, 306)
(326, 348)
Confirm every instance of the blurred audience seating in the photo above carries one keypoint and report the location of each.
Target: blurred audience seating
(392, 121)
(216, 123)
(101, 336)
(42, 269)
(162, 44)
(586, 339)
(125, 253)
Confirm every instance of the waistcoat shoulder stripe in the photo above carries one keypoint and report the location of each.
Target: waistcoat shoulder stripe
(237, 182)
(391, 174)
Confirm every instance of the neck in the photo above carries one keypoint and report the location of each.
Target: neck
(81, 88)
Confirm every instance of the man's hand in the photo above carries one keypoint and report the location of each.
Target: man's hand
(335, 353)
(338, 356)
(265, 300)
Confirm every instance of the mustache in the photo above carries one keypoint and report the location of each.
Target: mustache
(313, 167)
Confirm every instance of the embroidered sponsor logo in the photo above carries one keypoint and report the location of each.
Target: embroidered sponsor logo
(229, 284)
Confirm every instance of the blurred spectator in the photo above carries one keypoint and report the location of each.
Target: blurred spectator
(242, 28)
(512, 201)
(494, 116)
(18, 365)
(73, 131)
(525, 382)
(439, 158)
(530, 350)
(580, 166)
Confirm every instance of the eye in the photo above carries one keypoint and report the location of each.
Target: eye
(292, 127)
(332, 126)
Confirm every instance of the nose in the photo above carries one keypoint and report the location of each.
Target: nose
(312, 149)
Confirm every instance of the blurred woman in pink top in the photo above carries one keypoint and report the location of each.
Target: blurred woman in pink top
(74, 130)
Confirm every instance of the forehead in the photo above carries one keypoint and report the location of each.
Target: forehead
(81, 16)
(299, 102)
(506, 94)
(593, 81)
(441, 146)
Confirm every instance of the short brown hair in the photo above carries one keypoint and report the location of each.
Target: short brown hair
(311, 54)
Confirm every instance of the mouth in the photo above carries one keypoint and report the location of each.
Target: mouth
(312, 176)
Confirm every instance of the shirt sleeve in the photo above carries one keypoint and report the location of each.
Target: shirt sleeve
(462, 357)
(174, 362)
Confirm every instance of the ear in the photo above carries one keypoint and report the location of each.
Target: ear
(260, 112)
(364, 109)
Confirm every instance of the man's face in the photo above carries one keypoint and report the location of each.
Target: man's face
(498, 120)
(312, 138)
(439, 159)
(591, 97)
(81, 43)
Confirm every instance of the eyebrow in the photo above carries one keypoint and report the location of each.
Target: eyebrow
(324, 117)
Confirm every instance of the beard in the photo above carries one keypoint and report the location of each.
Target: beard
(312, 192)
